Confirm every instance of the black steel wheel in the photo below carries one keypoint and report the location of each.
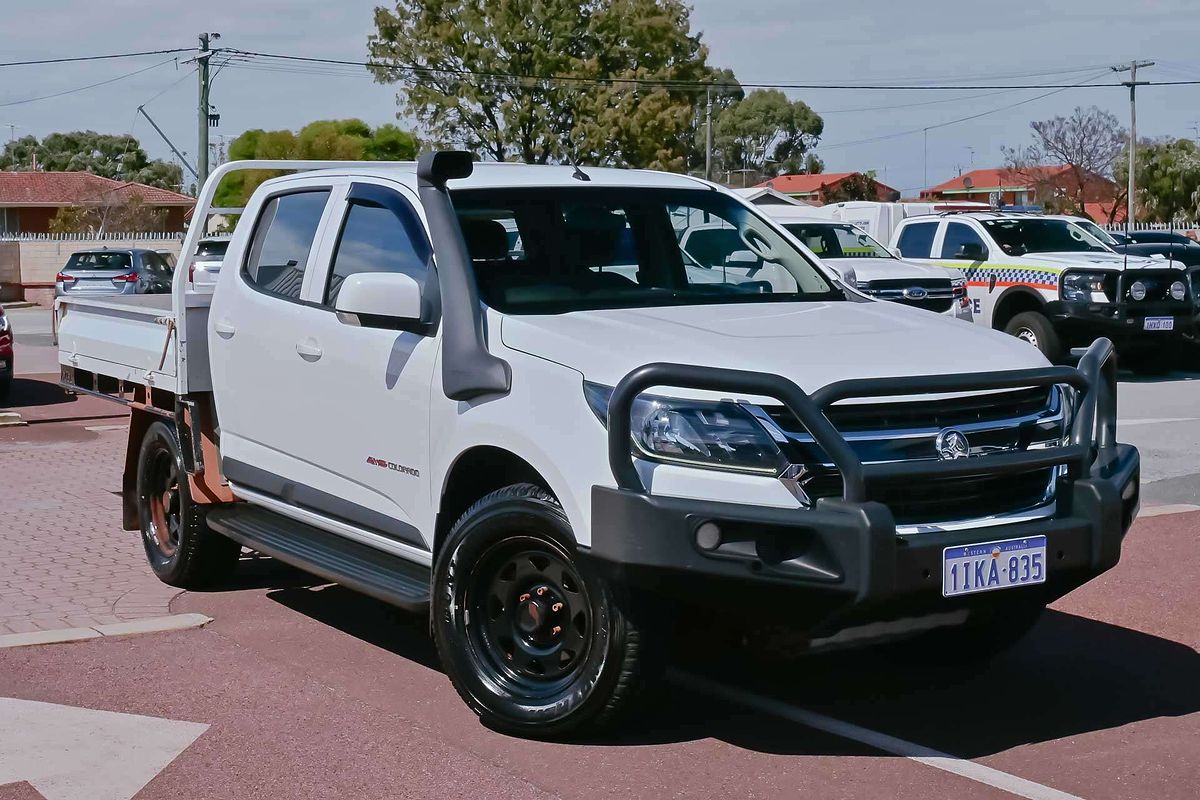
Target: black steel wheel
(181, 549)
(532, 641)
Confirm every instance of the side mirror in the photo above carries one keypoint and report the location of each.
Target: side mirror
(379, 298)
(742, 258)
(896, 252)
(971, 251)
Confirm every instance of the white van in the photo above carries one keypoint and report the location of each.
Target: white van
(880, 220)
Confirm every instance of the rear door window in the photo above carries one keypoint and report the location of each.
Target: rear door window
(282, 240)
(916, 241)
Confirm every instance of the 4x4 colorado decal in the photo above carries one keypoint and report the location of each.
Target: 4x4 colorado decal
(383, 462)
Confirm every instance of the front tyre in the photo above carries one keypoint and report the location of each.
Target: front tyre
(1035, 328)
(533, 642)
(181, 549)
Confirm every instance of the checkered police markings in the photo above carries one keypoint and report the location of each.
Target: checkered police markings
(1007, 274)
(962, 767)
(69, 753)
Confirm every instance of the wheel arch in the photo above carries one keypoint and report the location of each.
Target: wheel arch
(1015, 300)
(478, 471)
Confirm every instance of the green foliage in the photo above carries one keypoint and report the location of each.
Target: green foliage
(1168, 179)
(131, 214)
(455, 60)
(766, 132)
(859, 186)
(117, 157)
(323, 140)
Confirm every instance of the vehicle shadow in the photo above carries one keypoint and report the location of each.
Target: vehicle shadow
(1070, 676)
(29, 392)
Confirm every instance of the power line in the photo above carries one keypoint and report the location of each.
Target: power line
(84, 88)
(659, 82)
(1083, 84)
(95, 58)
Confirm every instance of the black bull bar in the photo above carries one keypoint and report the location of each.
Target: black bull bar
(1093, 430)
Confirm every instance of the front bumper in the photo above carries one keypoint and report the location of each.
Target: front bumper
(1122, 322)
(842, 563)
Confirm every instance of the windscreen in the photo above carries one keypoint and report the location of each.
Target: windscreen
(1017, 237)
(1096, 231)
(561, 249)
(836, 241)
(100, 261)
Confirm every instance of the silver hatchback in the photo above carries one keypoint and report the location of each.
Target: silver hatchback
(105, 271)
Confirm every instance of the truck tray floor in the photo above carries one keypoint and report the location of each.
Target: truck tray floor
(353, 565)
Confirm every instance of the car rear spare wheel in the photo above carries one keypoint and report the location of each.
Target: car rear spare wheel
(181, 549)
(533, 642)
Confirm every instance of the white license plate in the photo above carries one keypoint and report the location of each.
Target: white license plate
(987, 566)
(1158, 324)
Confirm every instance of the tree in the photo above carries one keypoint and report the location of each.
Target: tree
(1086, 144)
(112, 213)
(546, 81)
(767, 133)
(859, 186)
(323, 140)
(118, 157)
(1168, 179)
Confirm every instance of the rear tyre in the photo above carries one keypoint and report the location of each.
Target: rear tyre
(181, 549)
(1034, 328)
(5, 389)
(533, 641)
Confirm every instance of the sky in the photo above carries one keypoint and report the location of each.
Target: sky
(768, 41)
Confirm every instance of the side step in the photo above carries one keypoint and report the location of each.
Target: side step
(356, 566)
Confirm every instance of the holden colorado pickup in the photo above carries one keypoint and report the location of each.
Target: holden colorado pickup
(549, 456)
(1050, 282)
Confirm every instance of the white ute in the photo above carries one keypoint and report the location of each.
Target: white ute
(554, 441)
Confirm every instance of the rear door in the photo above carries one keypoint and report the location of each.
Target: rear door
(260, 344)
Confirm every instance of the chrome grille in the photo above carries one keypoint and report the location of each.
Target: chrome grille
(880, 432)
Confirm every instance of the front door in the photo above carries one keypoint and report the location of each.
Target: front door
(367, 388)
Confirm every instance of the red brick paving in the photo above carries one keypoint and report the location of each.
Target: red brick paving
(64, 560)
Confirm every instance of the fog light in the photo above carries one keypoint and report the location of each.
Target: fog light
(1178, 290)
(708, 536)
(1138, 290)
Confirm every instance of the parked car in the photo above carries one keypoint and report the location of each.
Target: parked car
(873, 269)
(1049, 282)
(204, 268)
(6, 355)
(549, 458)
(1147, 244)
(105, 271)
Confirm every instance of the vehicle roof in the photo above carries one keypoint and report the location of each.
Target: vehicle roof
(797, 213)
(493, 174)
(130, 250)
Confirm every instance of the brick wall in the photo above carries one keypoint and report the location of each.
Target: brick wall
(27, 268)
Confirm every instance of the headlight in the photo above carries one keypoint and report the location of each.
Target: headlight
(714, 435)
(1178, 290)
(1137, 290)
(1083, 286)
(3, 324)
(958, 287)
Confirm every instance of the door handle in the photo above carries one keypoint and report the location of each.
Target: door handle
(224, 328)
(309, 350)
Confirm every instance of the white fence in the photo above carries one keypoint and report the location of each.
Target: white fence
(1182, 227)
(153, 236)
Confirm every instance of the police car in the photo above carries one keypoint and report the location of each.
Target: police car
(1051, 283)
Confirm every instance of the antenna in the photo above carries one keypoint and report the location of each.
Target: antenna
(578, 174)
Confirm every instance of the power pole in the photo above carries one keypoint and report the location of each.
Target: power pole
(1132, 83)
(202, 146)
(708, 134)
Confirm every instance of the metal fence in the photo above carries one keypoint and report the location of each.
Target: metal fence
(1182, 227)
